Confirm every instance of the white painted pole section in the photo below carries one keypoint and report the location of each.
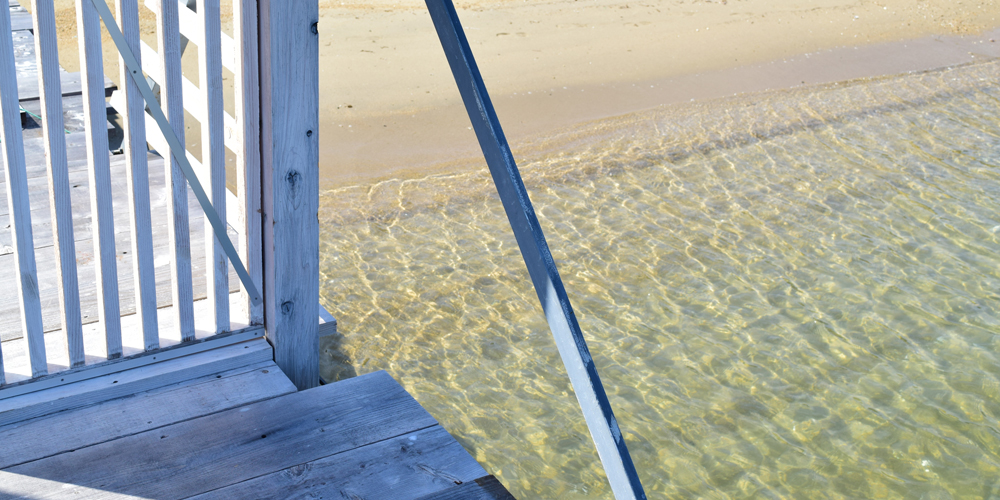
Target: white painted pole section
(18, 201)
(137, 179)
(178, 229)
(247, 96)
(213, 156)
(60, 205)
(99, 174)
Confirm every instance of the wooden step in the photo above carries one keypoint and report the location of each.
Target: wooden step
(364, 437)
(70, 430)
(120, 380)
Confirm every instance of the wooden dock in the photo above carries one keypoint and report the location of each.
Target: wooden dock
(213, 416)
(227, 423)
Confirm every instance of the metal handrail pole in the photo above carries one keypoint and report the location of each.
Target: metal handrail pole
(548, 285)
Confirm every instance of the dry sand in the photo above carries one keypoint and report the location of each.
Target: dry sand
(390, 108)
(388, 105)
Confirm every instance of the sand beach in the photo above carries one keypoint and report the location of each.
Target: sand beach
(389, 107)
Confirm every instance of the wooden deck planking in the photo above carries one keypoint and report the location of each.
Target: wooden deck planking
(484, 488)
(359, 438)
(34, 439)
(401, 468)
(117, 385)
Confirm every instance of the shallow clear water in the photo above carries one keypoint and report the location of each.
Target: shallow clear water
(787, 295)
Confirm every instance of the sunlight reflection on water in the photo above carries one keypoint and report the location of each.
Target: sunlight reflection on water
(791, 294)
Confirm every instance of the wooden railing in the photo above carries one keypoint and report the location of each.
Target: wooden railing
(282, 189)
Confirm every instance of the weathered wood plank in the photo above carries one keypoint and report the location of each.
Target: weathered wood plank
(20, 209)
(178, 228)
(226, 448)
(117, 385)
(402, 468)
(246, 90)
(27, 69)
(213, 154)
(137, 177)
(484, 488)
(43, 437)
(20, 19)
(60, 204)
(99, 176)
(289, 61)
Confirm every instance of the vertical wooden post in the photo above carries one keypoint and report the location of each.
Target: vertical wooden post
(246, 90)
(137, 180)
(19, 205)
(168, 40)
(60, 205)
(289, 90)
(213, 156)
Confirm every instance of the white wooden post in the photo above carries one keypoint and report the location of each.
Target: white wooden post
(18, 201)
(137, 179)
(99, 174)
(60, 205)
(178, 232)
(247, 97)
(289, 84)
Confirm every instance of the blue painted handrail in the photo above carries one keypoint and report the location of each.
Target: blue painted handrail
(548, 285)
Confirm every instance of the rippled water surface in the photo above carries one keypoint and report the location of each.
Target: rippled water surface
(791, 295)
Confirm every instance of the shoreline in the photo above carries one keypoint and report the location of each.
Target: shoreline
(369, 148)
(389, 107)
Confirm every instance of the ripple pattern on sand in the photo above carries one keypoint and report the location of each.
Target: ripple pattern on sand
(788, 295)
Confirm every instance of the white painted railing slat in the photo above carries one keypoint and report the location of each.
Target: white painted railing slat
(213, 156)
(171, 99)
(247, 97)
(193, 102)
(99, 174)
(17, 199)
(191, 28)
(47, 55)
(137, 179)
(239, 132)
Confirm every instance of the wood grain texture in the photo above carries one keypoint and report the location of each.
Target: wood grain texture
(116, 385)
(289, 61)
(60, 204)
(246, 91)
(178, 230)
(42, 437)
(99, 176)
(226, 448)
(484, 488)
(137, 177)
(17, 199)
(402, 468)
(213, 156)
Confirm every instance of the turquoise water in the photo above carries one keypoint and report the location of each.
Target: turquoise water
(788, 295)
